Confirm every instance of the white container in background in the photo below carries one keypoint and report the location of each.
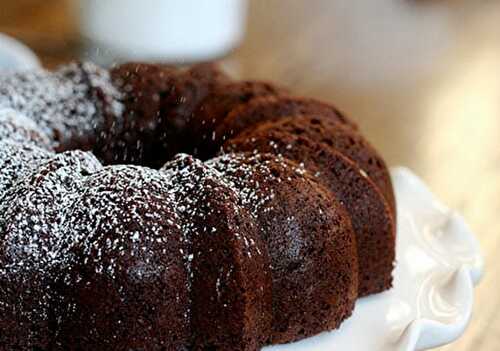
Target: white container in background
(15, 56)
(163, 30)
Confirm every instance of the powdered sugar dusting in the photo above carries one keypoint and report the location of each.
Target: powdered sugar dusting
(239, 170)
(192, 182)
(68, 104)
(17, 161)
(33, 214)
(16, 127)
(124, 212)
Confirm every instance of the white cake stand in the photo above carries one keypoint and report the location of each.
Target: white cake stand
(438, 263)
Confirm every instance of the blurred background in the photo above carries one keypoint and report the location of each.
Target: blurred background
(421, 77)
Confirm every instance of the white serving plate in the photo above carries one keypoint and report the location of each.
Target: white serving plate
(438, 263)
(16, 56)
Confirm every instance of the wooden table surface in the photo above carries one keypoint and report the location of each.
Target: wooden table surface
(422, 78)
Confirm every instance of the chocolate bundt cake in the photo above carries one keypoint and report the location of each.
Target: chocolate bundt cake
(149, 207)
